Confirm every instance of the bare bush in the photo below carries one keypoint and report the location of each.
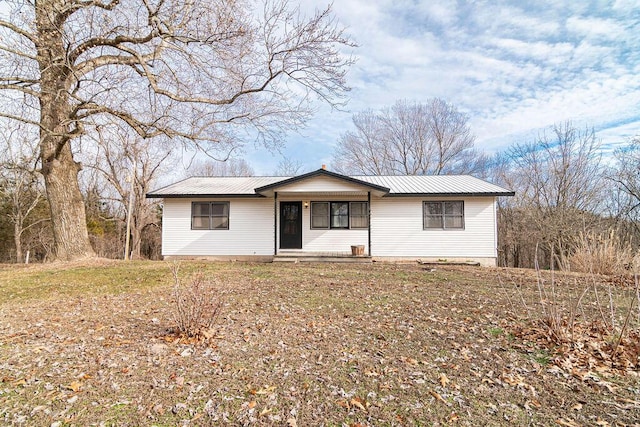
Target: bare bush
(197, 305)
(602, 253)
(585, 320)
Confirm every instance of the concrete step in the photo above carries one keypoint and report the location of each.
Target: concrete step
(342, 259)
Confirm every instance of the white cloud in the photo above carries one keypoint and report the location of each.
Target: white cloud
(514, 67)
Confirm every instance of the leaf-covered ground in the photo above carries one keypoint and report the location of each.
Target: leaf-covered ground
(306, 344)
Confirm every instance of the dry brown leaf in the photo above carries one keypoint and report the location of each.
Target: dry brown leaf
(577, 406)
(438, 396)
(291, 422)
(265, 411)
(359, 403)
(19, 382)
(444, 380)
(252, 404)
(343, 403)
(266, 390)
(75, 386)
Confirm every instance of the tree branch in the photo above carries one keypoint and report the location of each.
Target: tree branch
(10, 26)
(18, 87)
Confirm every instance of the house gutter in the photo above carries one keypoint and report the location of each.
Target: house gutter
(275, 223)
(369, 228)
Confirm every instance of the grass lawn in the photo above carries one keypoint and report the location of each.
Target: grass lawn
(312, 344)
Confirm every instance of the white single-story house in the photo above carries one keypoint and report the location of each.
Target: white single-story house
(323, 213)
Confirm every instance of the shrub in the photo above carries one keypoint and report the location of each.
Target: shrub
(197, 304)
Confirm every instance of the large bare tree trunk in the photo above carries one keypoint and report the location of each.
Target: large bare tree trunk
(67, 207)
(57, 129)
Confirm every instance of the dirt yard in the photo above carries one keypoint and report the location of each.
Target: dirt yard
(316, 344)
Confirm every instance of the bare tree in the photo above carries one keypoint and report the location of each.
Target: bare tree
(626, 176)
(288, 167)
(229, 167)
(200, 71)
(433, 138)
(130, 165)
(21, 187)
(558, 182)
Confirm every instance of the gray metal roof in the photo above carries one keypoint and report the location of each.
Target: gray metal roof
(238, 186)
(438, 185)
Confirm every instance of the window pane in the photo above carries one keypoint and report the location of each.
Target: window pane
(320, 215)
(359, 212)
(433, 208)
(220, 222)
(433, 222)
(319, 208)
(339, 221)
(340, 208)
(339, 214)
(453, 208)
(320, 221)
(358, 208)
(453, 222)
(200, 209)
(220, 209)
(359, 222)
(200, 222)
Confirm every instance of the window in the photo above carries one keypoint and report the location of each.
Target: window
(339, 214)
(443, 215)
(210, 215)
(359, 215)
(325, 215)
(320, 215)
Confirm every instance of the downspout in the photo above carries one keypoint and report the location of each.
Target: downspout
(369, 228)
(275, 223)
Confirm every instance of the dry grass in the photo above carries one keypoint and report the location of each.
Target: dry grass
(304, 344)
(603, 253)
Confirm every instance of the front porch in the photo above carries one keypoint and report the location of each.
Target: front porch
(306, 256)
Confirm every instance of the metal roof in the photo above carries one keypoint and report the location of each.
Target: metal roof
(435, 185)
(218, 186)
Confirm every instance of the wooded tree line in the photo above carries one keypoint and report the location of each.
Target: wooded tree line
(572, 203)
(99, 97)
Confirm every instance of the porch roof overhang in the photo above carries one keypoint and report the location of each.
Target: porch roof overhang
(357, 187)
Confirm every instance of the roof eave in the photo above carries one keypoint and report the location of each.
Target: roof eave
(481, 194)
(203, 196)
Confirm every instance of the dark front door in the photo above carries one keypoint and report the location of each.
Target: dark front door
(290, 225)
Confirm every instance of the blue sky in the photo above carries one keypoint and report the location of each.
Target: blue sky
(514, 67)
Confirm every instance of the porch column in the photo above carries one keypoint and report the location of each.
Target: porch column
(275, 223)
(369, 220)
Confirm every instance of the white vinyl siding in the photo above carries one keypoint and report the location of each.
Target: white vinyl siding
(397, 230)
(250, 229)
(321, 184)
